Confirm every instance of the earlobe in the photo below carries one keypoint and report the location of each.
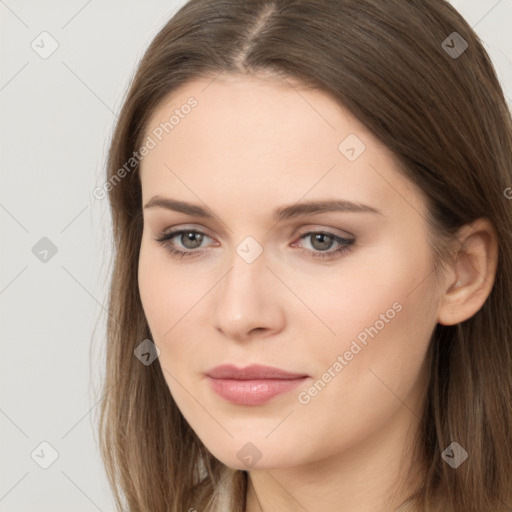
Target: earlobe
(474, 267)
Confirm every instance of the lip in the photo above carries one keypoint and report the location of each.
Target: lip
(252, 372)
(253, 385)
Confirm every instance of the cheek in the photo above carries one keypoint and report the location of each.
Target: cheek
(383, 317)
(360, 386)
(171, 301)
(165, 296)
(153, 290)
(378, 354)
(365, 295)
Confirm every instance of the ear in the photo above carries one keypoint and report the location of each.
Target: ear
(471, 274)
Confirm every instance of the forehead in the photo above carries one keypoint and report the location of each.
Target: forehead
(264, 137)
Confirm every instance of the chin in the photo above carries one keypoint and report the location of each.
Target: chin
(247, 455)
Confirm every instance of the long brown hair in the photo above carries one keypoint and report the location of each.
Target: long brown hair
(443, 114)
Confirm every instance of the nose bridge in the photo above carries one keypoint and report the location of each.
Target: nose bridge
(245, 299)
(241, 284)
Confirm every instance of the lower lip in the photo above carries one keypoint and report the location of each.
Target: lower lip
(252, 392)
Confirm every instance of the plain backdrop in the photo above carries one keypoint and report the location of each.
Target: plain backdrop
(56, 115)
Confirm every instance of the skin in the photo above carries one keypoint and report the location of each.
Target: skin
(253, 144)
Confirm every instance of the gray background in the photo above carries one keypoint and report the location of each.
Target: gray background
(57, 114)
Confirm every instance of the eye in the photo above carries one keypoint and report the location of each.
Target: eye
(321, 241)
(192, 239)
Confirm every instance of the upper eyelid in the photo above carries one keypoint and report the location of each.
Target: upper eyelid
(301, 232)
(174, 233)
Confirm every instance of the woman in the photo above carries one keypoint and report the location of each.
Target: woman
(311, 297)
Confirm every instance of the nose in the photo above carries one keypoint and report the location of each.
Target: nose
(248, 301)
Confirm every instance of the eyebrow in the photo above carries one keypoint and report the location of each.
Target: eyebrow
(279, 214)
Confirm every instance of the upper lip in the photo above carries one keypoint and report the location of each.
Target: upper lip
(254, 371)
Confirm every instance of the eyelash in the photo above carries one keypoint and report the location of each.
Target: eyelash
(164, 239)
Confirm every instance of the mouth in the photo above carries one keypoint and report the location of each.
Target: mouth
(253, 385)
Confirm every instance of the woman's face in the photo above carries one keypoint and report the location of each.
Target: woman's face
(345, 297)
